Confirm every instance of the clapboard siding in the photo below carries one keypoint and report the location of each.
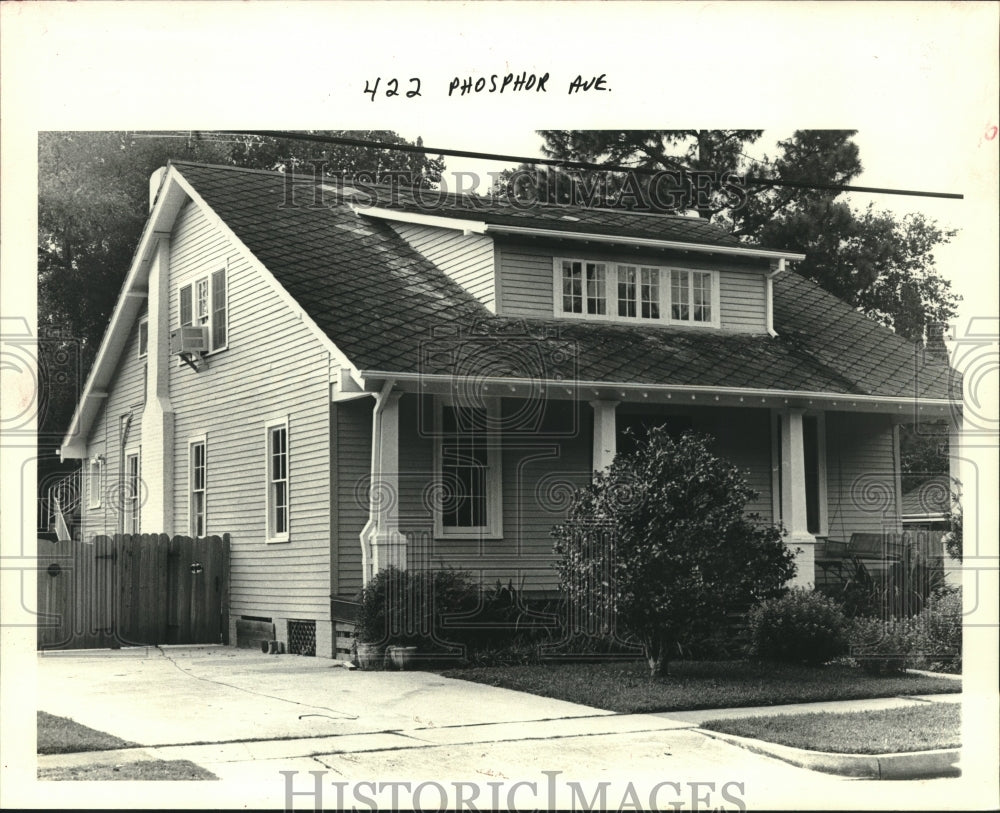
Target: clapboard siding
(466, 258)
(861, 479)
(126, 395)
(274, 368)
(743, 437)
(353, 459)
(526, 284)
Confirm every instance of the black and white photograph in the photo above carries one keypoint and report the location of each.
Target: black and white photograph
(368, 442)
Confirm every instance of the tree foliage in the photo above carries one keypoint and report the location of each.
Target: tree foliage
(658, 546)
(93, 192)
(880, 263)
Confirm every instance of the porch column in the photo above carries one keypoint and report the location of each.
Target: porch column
(382, 545)
(956, 454)
(157, 472)
(793, 496)
(605, 434)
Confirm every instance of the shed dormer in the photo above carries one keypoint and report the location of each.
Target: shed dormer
(597, 265)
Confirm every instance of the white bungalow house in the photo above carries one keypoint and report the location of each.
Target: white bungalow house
(281, 344)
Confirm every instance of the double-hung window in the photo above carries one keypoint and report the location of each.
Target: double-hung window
(203, 302)
(468, 471)
(627, 292)
(278, 501)
(197, 488)
(131, 494)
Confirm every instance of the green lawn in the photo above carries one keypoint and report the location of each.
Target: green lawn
(888, 731)
(150, 770)
(627, 687)
(59, 735)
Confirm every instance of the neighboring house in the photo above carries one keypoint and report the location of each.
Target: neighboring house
(281, 344)
(928, 506)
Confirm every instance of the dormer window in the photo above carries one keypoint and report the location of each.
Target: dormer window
(584, 287)
(626, 292)
(691, 294)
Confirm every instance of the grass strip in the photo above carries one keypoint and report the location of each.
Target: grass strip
(157, 770)
(884, 731)
(627, 687)
(60, 735)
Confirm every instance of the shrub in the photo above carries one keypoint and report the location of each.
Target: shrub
(444, 609)
(410, 608)
(881, 647)
(802, 626)
(658, 548)
(938, 632)
(930, 640)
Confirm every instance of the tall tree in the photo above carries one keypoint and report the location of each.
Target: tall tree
(93, 202)
(881, 264)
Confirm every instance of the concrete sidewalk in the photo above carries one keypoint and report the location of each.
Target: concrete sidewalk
(247, 716)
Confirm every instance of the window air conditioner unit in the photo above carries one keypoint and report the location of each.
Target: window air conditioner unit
(189, 340)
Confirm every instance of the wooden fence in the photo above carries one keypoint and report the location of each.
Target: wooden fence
(131, 590)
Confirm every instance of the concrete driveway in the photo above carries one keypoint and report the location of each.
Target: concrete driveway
(247, 717)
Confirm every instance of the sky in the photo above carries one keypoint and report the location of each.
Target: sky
(885, 164)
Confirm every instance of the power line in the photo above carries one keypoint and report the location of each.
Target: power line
(568, 164)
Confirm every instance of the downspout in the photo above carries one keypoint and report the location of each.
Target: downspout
(769, 296)
(371, 526)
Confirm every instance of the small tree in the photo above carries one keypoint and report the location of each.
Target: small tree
(658, 545)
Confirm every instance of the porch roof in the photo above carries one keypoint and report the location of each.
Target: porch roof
(389, 309)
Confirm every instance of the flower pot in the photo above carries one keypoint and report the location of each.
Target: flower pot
(401, 657)
(369, 656)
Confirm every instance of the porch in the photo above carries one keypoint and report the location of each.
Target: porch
(430, 492)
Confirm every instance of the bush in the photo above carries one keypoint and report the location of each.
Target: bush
(658, 548)
(881, 647)
(441, 610)
(930, 640)
(938, 633)
(410, 608)
(800, 627)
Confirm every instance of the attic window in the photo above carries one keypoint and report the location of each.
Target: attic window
(204, 302)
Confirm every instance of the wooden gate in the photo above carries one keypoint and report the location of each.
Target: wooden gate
(131, 590)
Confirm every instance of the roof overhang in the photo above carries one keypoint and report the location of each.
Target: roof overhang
(676, 394)
(473, 226)
(169, 199)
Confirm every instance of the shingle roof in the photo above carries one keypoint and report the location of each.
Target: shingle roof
(932, 497)
(388, 308)
(575, 219)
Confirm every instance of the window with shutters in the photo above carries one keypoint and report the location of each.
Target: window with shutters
(204, 302)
